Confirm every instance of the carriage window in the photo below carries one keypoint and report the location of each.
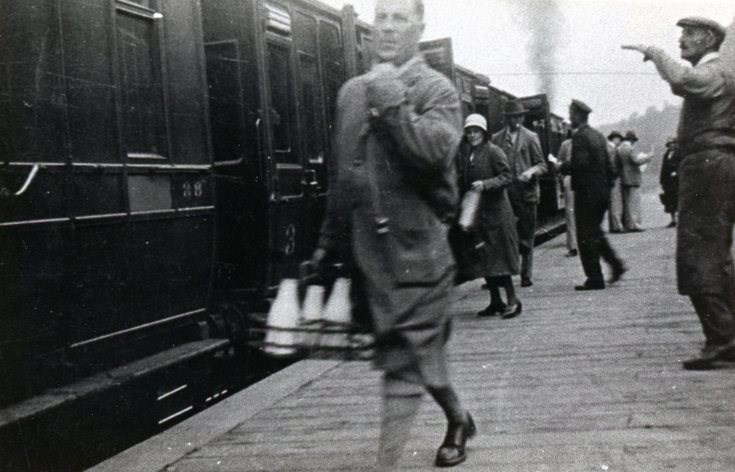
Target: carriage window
(281, 110)
(141, 81)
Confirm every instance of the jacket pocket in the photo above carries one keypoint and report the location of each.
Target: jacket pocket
(419, 256)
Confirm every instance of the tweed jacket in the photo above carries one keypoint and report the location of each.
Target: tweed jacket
(525, 153)
(395, 144)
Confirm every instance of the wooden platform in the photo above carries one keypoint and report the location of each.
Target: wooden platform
(579, 382)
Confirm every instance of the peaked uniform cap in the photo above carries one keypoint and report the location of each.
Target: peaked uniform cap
(581, 106)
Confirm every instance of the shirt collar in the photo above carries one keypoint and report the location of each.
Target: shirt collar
(709, 57)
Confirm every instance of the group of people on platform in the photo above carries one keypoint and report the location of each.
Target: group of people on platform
(395, 194)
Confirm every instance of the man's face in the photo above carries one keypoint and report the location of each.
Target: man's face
(574, 118)
(695, 43)
(514, 121)
(398, 30)
(616, 141)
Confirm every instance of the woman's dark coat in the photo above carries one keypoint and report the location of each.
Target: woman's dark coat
(495, 224)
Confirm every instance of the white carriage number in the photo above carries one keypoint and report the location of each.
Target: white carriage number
(196, 190)
(290, 247)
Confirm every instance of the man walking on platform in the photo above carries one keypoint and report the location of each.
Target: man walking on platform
(706, 138)
(590, 170)
(393, 195)
(631, 178)
(526, 160)
(615, 211)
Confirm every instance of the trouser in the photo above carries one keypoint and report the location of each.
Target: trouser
(716, 313)
(632, 208)
(590, 209)
(569, 217)
(615, 212)
(525, 213)
(704, 260)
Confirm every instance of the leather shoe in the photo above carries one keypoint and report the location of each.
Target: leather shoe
(526, 282)
(617, 273)
(710, 356)
(590, 286)
(511, 311)
(572, 253)
(493, 310)
(451, 452)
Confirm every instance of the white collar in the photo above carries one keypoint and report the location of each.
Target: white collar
(709, 57)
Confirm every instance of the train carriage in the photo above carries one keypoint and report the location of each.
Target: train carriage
(106, 218)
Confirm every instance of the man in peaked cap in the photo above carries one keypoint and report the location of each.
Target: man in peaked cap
(615, 211)
(527, 164)
(706, 137)
(591, 177)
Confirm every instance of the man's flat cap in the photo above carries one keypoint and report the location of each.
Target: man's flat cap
(701, 22)
(581, 106)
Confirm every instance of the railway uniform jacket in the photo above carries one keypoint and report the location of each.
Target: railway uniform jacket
(393, 167)
(525, 153)
(631, 174)
(706, 138)
(590, 166)
(495, 220)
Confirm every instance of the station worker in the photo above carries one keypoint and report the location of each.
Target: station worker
(706, 137)
(631, 179)
(394, 193)
(527, 164)
(615, 211)
(591, 178)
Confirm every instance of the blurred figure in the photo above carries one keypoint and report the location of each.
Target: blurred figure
(704, 260)
(483, 167)
(393, 194)
(565, 156)
(669, 180)
(590, 171)
(631, 179)
(526, 160)
(615, 212)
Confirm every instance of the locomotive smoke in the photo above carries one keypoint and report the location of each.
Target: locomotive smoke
(545, 21)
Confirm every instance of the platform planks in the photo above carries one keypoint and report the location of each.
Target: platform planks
(579, 382)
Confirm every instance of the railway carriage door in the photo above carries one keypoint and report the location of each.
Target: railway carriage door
(288, 196)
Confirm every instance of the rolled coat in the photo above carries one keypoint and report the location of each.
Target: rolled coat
(496, 221)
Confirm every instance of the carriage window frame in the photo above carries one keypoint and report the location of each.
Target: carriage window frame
(157, 53)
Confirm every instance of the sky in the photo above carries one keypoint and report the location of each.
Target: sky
(579, 40)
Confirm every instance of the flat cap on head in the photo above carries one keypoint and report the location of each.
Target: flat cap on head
(701, 22)
(581, 106)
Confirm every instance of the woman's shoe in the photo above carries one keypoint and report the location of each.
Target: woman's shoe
(512, 311)
(452, 452)
(492, 310)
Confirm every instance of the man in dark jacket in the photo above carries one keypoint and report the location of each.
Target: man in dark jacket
(591, 178)
(527, 164)
(706, 137)
(393, 194)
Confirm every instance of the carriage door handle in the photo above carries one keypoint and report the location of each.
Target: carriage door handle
(29, 180)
